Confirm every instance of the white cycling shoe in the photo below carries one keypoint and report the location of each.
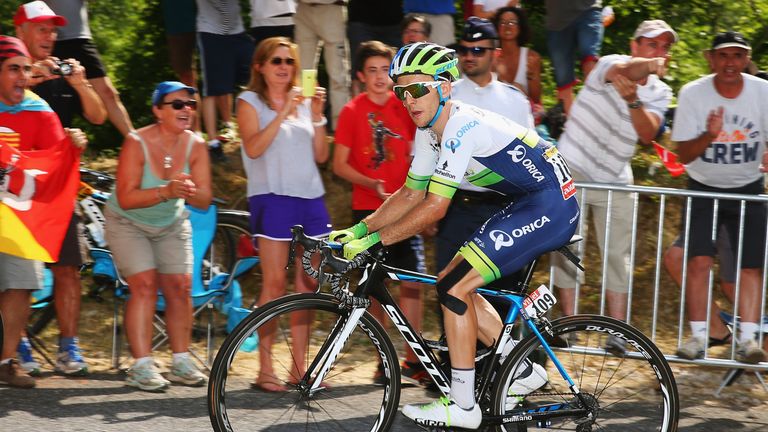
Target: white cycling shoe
(523, 386)
(444, 413)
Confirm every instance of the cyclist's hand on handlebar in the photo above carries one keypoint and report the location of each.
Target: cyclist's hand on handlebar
(370, 244)
(347, 235)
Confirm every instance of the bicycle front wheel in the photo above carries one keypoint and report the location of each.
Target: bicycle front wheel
(348, 398)
(630, 391)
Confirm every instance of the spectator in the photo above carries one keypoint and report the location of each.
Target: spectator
(74, 41)
(225, 53)
(719, 334)
(68, 92)
(415, 28)
(373, 152)
(487, 8)
(270, 18)
(381, 22)
(571, 26)
(718, 129)
(624, 101)
(179, 18)
(439, 13)
(37, 127)
(473, 205)
(283, 140)
(325, 21)
(518, 64)
(162, 167)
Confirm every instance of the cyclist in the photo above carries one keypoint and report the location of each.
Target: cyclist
(456, 140)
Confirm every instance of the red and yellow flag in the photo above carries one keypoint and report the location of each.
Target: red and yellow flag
(37, 196)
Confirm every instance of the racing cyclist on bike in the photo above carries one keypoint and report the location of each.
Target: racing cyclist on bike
(456, 140)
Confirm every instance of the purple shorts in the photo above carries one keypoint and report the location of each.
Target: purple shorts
(272, 216)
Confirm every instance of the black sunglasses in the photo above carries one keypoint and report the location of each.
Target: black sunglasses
(179, 104)
(476, 50)
(277, 61)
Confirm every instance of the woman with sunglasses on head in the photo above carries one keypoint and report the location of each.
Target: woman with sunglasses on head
(162, 167)
(283, 135)
(518, 64)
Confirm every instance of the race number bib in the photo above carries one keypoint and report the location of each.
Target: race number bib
(563, 174)
(539, 302)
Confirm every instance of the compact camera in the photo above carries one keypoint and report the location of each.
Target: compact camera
(62, 68)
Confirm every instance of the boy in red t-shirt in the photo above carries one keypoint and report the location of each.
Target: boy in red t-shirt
(374, 135)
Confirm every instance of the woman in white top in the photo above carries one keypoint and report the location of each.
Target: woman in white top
(283, 137)
(487, 8)
(517, 64)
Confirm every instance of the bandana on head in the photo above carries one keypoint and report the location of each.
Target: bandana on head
(12, 47)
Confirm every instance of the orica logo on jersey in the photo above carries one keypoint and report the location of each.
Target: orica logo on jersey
(464, 129)
(518, 155)
(452, 144)
(504, 239)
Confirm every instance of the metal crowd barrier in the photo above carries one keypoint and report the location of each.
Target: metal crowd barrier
(665, 322)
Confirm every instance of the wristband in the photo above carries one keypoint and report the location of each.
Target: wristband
(160, 195)
(322, 122)
(636, 104)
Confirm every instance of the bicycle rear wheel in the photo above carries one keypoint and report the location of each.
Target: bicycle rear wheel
(348, 399)
(633, 392)
(231, 227)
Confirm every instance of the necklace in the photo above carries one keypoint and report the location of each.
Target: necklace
(167, 158)
(167, 161)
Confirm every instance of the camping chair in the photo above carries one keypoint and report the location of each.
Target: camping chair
(209, 289)
(733, 374)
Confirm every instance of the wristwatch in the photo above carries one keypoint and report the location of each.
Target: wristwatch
(636, 104)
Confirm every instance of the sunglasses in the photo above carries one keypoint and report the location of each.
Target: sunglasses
(277, 61)
(476, 51)
(508, 23)
(179, 104)
(415, 90)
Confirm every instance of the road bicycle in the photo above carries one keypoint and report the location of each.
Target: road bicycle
(588, 387)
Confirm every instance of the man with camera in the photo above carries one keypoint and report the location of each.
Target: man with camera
(64, 86)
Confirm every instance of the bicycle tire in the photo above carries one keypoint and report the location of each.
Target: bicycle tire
(40, 318)
(636, 391)
(345, 402)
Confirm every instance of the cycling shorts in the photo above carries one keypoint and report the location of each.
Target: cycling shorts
(529, 227)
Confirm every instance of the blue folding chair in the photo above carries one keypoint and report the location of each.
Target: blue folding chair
(210, 290)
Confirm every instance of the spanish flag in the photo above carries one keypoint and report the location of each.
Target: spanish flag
(37, 196)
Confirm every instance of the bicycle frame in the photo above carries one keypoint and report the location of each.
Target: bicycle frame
(372, 284)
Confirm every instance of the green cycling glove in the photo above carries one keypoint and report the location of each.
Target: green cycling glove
(354, 232)
(369, 243)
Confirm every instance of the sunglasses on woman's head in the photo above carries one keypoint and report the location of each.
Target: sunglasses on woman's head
(476, 50)
(277, 61)
(415, 90)
(179, 104)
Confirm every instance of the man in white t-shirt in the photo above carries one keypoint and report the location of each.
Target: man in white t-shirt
(720, 127)
(623, 101)
(479, 86)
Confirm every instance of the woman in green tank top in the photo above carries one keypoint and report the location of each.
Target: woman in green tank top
(162, 167)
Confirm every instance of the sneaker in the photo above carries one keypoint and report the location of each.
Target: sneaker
(12, 375)
(216, 152)
(146, 377)
(444, 413)
(616, 346)
(414, 373)
(228, 133)
(692, 349)
(185, 372)
(749, 352)
(70, 361)
(26, 361)
(521, 387)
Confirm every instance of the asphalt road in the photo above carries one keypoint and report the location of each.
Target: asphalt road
(104, 403)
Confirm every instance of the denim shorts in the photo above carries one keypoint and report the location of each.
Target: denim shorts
(584, 34)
